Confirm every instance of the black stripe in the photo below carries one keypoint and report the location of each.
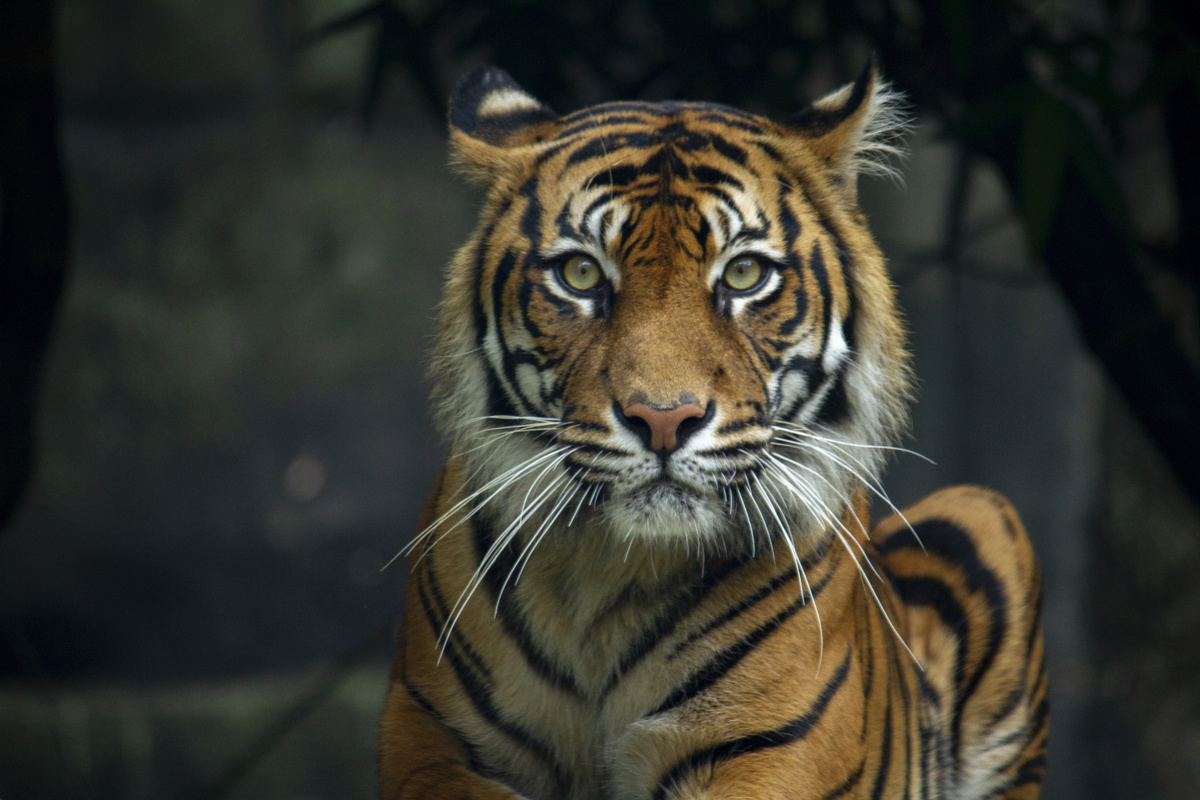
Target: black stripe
(512, 617)
(749, 448)
(732, 123)
(729, 150)
(950, 542)
(844, 788)
(437, 613)
(819, 121)
(623, 176)
(868, 670)
(816, 264)
(498, 399)
(714, 176)
(591, 123)
(790, 732)
(650, 637)
(479, 694)
(507, 367)
(717, 666)
(740, 425)
(473, 761)
(602, 146)
(750, 600)
(885, 750)
(835, 405)
(758, 304)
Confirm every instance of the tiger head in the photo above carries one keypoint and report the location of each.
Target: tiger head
(671, 324)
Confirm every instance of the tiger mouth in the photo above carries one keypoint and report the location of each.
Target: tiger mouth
(664, 494)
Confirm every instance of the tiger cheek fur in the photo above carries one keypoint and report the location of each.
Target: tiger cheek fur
(669, 366)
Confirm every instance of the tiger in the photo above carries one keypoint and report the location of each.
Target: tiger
(669, 370)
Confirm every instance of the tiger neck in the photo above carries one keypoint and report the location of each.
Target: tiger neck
(583, 600)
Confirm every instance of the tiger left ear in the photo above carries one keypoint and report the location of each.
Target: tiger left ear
(490, 115)
(856, 129)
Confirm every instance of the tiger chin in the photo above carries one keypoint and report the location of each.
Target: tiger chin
(669, 368)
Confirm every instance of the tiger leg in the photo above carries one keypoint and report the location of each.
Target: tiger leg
(971, 592)
(421, 757)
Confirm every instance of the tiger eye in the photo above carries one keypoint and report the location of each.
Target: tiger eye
(582, 273)
(742, 273)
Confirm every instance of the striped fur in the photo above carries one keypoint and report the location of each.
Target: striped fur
(592, 614)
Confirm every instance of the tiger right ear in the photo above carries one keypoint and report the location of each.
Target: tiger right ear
(857, 129)
(490, 115)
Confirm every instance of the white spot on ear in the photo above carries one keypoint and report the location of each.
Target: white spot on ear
(506, 101)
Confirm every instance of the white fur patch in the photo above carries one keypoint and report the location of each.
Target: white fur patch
(506, 101)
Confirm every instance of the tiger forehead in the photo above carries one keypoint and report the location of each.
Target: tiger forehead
(686, 128)
(664, 116)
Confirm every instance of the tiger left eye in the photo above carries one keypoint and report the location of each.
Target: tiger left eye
(582, 273)
(742, 273)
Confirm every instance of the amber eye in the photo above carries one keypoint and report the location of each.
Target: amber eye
(742, 273)
(582, 273)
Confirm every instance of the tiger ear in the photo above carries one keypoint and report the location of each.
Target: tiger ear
(857, 129)
(490, 115)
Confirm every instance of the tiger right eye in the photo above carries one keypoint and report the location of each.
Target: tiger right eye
(582, 273)
(743, 273)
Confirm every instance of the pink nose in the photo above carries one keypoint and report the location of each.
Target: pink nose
(663, 424)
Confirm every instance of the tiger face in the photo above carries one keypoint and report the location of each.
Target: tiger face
(671, 325)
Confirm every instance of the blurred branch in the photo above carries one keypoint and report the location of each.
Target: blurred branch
(33, 228)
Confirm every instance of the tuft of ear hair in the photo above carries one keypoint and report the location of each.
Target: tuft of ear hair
(858, 129)
(490, 114)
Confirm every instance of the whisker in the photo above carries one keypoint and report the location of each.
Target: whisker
(802, 578)
(807, 432)
(536, 539)
(875, 487)
(829, 514)
(502, 481)
(837, 529)
(500, 543)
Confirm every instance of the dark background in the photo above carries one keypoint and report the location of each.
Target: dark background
(222, 234)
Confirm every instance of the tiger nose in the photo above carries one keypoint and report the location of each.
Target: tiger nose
(663, 424)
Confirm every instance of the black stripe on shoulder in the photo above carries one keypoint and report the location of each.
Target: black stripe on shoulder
(473, 761)
(437, 613)
(948, 541)
(845, 787)
(788, 733)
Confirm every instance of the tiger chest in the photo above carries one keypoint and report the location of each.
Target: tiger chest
(622, 692)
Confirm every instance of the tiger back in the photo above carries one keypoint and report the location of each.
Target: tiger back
(669, 368)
